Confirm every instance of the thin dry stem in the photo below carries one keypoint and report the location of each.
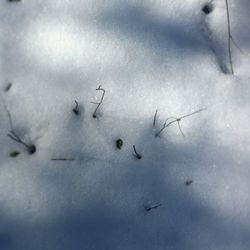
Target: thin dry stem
(138, 156)
(98, 103)
(155, 116)
(229, 38)
(63, 159)
(152, 207)
(12, 135)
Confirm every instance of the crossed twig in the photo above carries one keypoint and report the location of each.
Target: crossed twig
(167, 123)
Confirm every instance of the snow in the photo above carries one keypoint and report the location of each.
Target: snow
(147, 55)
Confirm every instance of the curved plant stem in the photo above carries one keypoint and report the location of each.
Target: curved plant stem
(98, 103)
(138, 156)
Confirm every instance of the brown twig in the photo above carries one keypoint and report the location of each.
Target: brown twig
(98, 103)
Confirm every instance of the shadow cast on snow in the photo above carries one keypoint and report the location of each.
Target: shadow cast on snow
(113, 216)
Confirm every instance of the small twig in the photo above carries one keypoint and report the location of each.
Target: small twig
(98, 103)
(195, 112)
(155, 116)
(63, 159)
(229, 38)
(178, 120)
(148, 208)
(76, 110)
(138, 156)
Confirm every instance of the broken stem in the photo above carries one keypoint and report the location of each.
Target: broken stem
(138, 156)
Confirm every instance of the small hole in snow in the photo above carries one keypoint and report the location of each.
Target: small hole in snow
(208, 8)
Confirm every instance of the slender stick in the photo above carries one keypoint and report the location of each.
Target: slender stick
(99, 103)
(63, 159)
(152, 207)
(195, 112)
(229, 38)
(10, 119)
(155, 116)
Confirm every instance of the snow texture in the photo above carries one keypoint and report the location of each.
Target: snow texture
(78, 190)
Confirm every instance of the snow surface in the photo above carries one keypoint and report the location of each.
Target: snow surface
(147, 55)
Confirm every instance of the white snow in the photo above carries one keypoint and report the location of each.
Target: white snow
(147, 55)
